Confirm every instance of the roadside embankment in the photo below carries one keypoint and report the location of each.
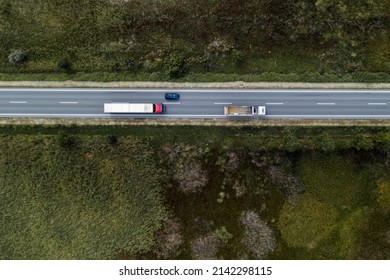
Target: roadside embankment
(239, 84)
(194, 122)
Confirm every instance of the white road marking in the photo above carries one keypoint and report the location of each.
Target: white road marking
(376, 103)
(18, 102)
(68, 102)
(275, 103)
(173, 103)
(223, 103)
(325, 103)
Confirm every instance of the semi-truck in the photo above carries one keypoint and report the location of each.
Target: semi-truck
(133, 108)
(244, 110)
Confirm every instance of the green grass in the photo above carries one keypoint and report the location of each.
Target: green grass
(104, 76)
(306, 222)
(88, 200)
(335, 180)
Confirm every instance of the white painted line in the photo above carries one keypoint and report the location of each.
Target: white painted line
(376, 103)
(18, 102)
(275, 103)
(68, 102)
(325, 103)
(173, 103)
(223, 103)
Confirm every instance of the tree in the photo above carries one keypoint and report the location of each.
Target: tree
(259, 238)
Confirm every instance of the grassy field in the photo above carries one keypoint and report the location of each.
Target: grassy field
(68, 197)
(101, 40)
(193, 193)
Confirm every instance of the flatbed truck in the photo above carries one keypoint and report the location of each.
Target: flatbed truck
(244, 110)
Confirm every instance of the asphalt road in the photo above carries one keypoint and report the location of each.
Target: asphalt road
(196, 103)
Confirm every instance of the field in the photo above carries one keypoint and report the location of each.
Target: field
(226, 40)
(162, 192)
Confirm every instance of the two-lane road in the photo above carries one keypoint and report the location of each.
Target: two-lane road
(195, 103)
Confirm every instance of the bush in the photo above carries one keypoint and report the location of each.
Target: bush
(325, 142)
(174, 67)
(18, 58)
(112, 139)
(169, 239)
(68, 142)
(65, 65)
(205, 247)
(192, 178)
(259, 238)
(130, 64)
(116, 67)
(288, 184)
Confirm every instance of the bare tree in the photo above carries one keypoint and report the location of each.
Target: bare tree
(169, 239)
(205, 247)
(259, 238)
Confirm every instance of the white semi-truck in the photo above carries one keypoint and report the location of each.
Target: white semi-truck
(133, 108)
(244, 110)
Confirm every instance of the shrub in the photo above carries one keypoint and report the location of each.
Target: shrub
(169, 239)
(174, 67)
(130, 64)
(65, 65)
(288, 184)
(67, 141)
(112, 139)
(259, 238)
(362, 142)
(205, 247)
(192, 177)
(116, 67)
(223, 235)
(291, 142)
(18, 58)
(325, 142)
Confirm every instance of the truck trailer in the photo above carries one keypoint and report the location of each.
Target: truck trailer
(133, 108)
(244, 110)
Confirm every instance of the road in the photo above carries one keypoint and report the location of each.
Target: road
(196, 103)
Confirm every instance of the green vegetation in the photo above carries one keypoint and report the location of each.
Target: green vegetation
(204, 41)
(384, 195)
(73, 197)
(186, 192)
(333, 180)
(306, 222)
